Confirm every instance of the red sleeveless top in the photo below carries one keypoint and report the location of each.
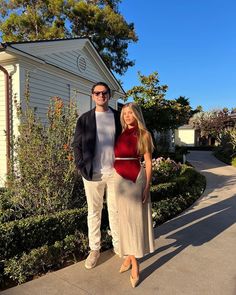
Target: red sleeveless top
(126, 147)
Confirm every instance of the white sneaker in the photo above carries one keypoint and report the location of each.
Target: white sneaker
(92, 259)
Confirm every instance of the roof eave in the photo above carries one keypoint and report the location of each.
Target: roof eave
(12, 49)
(122, 92)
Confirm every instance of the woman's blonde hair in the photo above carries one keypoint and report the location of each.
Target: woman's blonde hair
(145, 143)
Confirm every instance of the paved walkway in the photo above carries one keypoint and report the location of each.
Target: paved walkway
(196, 251)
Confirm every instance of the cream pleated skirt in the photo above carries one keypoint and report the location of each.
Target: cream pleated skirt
(135, 218)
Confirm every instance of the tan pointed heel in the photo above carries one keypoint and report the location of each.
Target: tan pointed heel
(134, 282)
(124, 268)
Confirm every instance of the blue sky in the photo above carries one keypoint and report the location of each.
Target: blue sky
(190, 43)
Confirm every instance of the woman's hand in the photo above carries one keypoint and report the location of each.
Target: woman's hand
(146, 193)
(148, 168)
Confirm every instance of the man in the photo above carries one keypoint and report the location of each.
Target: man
(94, 139)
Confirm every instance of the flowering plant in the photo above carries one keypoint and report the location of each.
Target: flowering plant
(164, 170)
(43, 171)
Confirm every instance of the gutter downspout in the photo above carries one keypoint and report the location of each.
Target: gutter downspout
(7, 103)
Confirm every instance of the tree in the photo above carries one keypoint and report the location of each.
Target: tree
(233, 110)
(211, 123)
(98, 20)
(160, 114)
(197, 110)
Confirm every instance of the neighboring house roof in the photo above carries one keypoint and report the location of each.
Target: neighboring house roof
(186, 126)
(38, 51)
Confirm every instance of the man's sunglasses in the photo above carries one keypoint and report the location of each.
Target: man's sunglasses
(103, 93)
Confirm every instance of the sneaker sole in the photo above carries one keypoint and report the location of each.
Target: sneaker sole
(90, 267)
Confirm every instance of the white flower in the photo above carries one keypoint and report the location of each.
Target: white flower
(154, 214)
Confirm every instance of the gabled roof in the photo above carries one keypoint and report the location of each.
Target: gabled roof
(34, 51)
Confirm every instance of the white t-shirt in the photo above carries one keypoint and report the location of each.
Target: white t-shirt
(105, 138)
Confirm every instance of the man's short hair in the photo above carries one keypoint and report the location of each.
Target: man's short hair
(102, 84)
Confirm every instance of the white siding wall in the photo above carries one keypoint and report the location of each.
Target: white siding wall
(113, 103)
(68, 61)
(43, 85)
(14, 89)
(83, 102)
(2, 128)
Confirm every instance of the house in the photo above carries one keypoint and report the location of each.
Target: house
(66, 68)
(186, 135)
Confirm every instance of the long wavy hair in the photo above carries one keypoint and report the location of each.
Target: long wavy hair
(145, 143)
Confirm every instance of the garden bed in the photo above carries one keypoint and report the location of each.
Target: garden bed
(35, 245)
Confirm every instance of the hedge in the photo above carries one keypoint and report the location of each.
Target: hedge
(185, 191)
(189, 181)
(40, 260)
(166, 209)
(25, 234)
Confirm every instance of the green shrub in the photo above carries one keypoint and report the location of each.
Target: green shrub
(189, 180)
(170, 199)
(23, 235)
(201, 148)
(163, 191)
(2, 191)
(226, 150)
(177, 156)
(42, 259)
(164, 170)
(233, 162)
(43, 171)
(168, 208)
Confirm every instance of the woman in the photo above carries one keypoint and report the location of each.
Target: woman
(132, 185)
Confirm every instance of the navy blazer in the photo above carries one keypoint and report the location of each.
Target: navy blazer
(84, 142)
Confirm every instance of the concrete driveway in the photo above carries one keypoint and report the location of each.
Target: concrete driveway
(196, 251)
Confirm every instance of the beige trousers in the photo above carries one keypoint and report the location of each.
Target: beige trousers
(95, 190)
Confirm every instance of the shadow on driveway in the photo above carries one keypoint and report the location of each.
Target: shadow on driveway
(201, 226)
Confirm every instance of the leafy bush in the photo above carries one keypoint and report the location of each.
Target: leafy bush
(227, 147)
(169, 206)
(163, 190)
(42, 259)
(201, 148)
(164, 170)
(189, 181)
(164, 210)
(180, 151)
(43, 173)
(23, 235)
(233, 162)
